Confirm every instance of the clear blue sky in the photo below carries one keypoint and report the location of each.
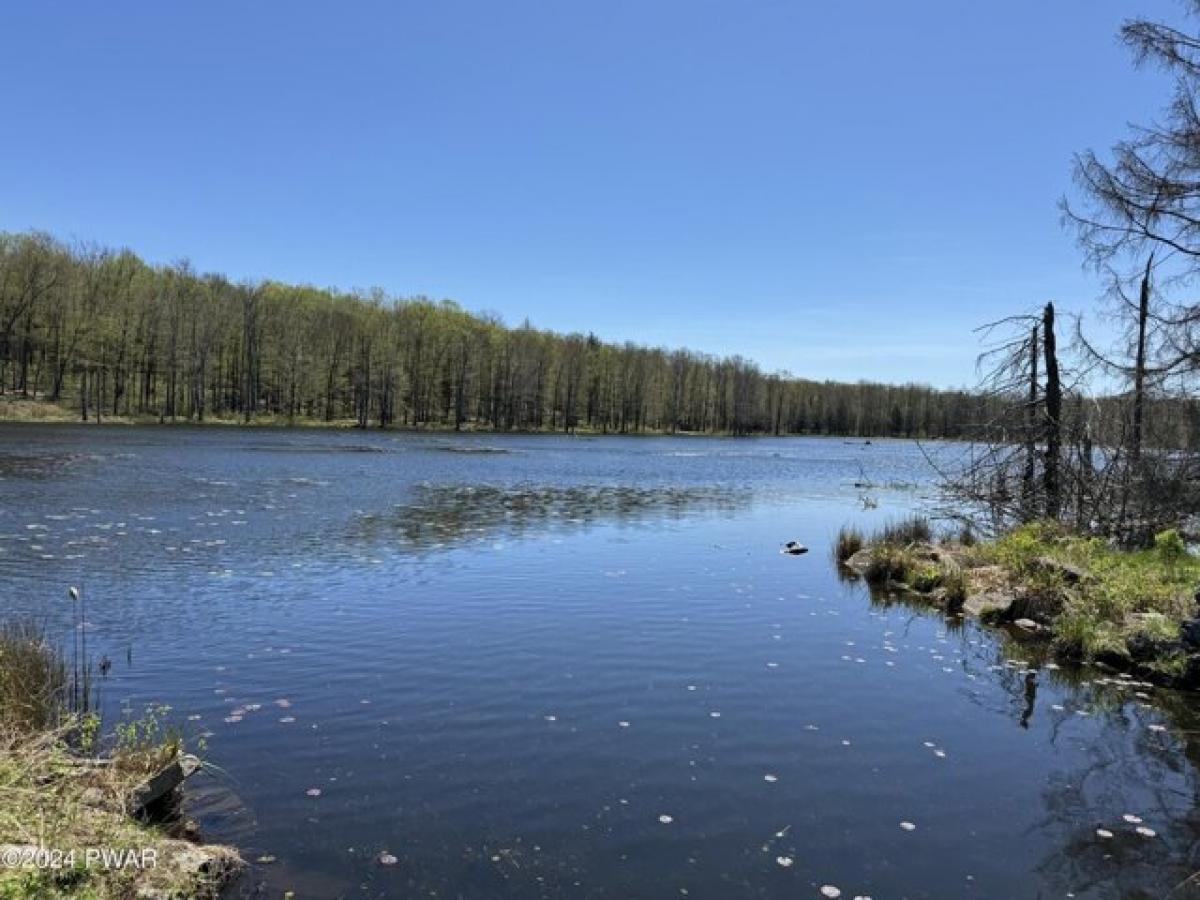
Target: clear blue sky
(842, 190)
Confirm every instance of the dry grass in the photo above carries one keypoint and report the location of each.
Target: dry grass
(28, 409)
(33, 679)
(54, 800)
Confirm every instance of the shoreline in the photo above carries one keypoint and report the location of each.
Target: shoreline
(1040, 593)
(40, 412)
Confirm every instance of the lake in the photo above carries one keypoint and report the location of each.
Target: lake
(581, 667)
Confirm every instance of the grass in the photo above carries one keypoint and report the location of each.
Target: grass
(54, 797)
(912, 530)
(1096, 601)
(34, 680)
(1128, 591)
(849, 541)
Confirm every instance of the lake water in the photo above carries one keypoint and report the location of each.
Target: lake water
(575, 667)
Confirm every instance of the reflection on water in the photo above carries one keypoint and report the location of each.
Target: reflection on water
(582, 668)
(442, 514)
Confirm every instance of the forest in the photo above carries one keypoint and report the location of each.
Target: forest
(106, 334)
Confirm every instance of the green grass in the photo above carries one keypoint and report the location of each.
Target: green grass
(1121, 594)
(1098, 601)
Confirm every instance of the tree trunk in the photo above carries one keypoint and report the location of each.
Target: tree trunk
(1050, 472)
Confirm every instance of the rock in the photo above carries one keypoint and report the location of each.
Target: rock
(205, 867)
(1189, 633)
(794, 548)
(859, 562)
(925, 551)
(1146, 639)
(1042, 606)
(1027, 624)
(1191, 673)
(988, 603)
(1068, 573)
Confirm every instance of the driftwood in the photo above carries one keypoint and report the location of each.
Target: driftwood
(163, 783)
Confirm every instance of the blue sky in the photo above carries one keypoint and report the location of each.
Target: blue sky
(842, 190)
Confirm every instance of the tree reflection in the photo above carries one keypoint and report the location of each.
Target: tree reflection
(452, 514)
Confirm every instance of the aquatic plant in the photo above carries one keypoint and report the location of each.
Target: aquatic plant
(849, 541)
(912, 530)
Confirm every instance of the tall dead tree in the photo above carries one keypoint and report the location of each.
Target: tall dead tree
(1051, 474)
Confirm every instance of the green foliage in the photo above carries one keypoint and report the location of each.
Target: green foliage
(924, 577)
(1118, 586)
(954, 583)
(149, 742)
(88, 731)
(109, 335)
(888, 563)
(1083, 634)
(1170, 546)
(1158, 628)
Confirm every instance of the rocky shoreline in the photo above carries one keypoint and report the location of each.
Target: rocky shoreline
(1029, 603)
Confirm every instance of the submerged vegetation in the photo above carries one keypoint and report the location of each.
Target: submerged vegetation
(75, 824)
(1091, 600)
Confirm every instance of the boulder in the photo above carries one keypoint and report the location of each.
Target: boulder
(859, 562)
(1041, 606)
(1068, 573)
(1189, 633)
(1147, 648)
(988, 603)
(205, 868)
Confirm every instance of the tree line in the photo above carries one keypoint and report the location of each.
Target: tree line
(107, 334)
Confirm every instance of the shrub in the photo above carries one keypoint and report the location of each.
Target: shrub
(1169, 546)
